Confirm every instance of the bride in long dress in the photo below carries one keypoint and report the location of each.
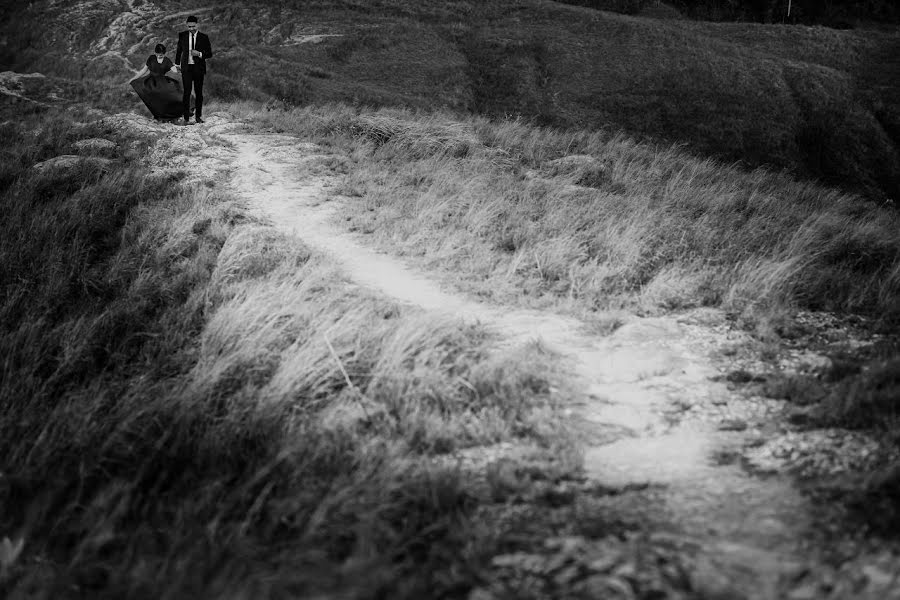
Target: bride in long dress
(158, 84)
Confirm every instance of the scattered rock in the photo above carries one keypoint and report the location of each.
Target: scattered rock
(812, 362)
(275, 36)
(95, 146)
(710, 581)
(133, 124)
(704, 315)
(612, 588)
(225, 128)
(808, 591)
(732, 425)
(10, 81)
(604, 563)
(60, 169)
(877, 577)
(481, 594)
(653, 330)
(740, 376)
(820, 452)
(520, 561)
(27, 87)
(82, 112)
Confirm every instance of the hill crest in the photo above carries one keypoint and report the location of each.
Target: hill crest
(807, 99)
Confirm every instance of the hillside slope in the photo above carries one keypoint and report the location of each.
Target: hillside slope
(820, 102)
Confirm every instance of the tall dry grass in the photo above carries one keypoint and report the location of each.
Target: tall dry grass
(592, 220)
(194, 405)
(595, 220)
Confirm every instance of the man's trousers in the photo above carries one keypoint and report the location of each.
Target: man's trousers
(192, 76)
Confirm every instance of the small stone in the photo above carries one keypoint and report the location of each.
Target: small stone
(60, 169)
(709, 581)
(556, 562)
(274, 36)
(566, 545)
(809, 591)
(801, 415)
(567, 575)
(877, 577)
(733, 425)
(481, 594)
(603, 564)
(68, 162)
(95, 146)
(739, 376)
(810, 361)
(519, 560)
(626, 570)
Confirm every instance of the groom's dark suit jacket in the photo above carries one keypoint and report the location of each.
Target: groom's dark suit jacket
(183, 51)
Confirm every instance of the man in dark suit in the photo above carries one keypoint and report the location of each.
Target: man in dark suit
(191, 55)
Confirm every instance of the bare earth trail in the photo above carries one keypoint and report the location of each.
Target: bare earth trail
(753, 523)
(648, 391)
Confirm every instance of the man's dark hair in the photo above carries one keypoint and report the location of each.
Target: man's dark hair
(160, 49)
(192, 19)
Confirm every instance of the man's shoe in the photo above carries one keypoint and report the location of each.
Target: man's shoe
(199, 120)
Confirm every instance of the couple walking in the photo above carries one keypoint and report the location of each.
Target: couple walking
(158, 84)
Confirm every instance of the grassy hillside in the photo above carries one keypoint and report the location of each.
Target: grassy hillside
(821, 103)
(594, 221)
(194, 405)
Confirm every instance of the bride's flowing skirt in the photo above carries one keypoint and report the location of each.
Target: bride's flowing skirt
(162, 95)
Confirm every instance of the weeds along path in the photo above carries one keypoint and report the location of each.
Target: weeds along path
(653, 419)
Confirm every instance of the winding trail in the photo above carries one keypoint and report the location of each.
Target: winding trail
(651, 410)
(748, 527)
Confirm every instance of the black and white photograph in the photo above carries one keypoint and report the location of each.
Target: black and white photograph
(450, 299)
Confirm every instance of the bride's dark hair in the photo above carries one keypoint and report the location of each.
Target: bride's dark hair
(160, 49)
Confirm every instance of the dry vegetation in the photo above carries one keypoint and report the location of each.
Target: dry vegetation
(193, 403)
(590, 221)
(593, 220)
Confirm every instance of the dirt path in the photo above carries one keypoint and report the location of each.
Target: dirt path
(655, 416)
(631, 378)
